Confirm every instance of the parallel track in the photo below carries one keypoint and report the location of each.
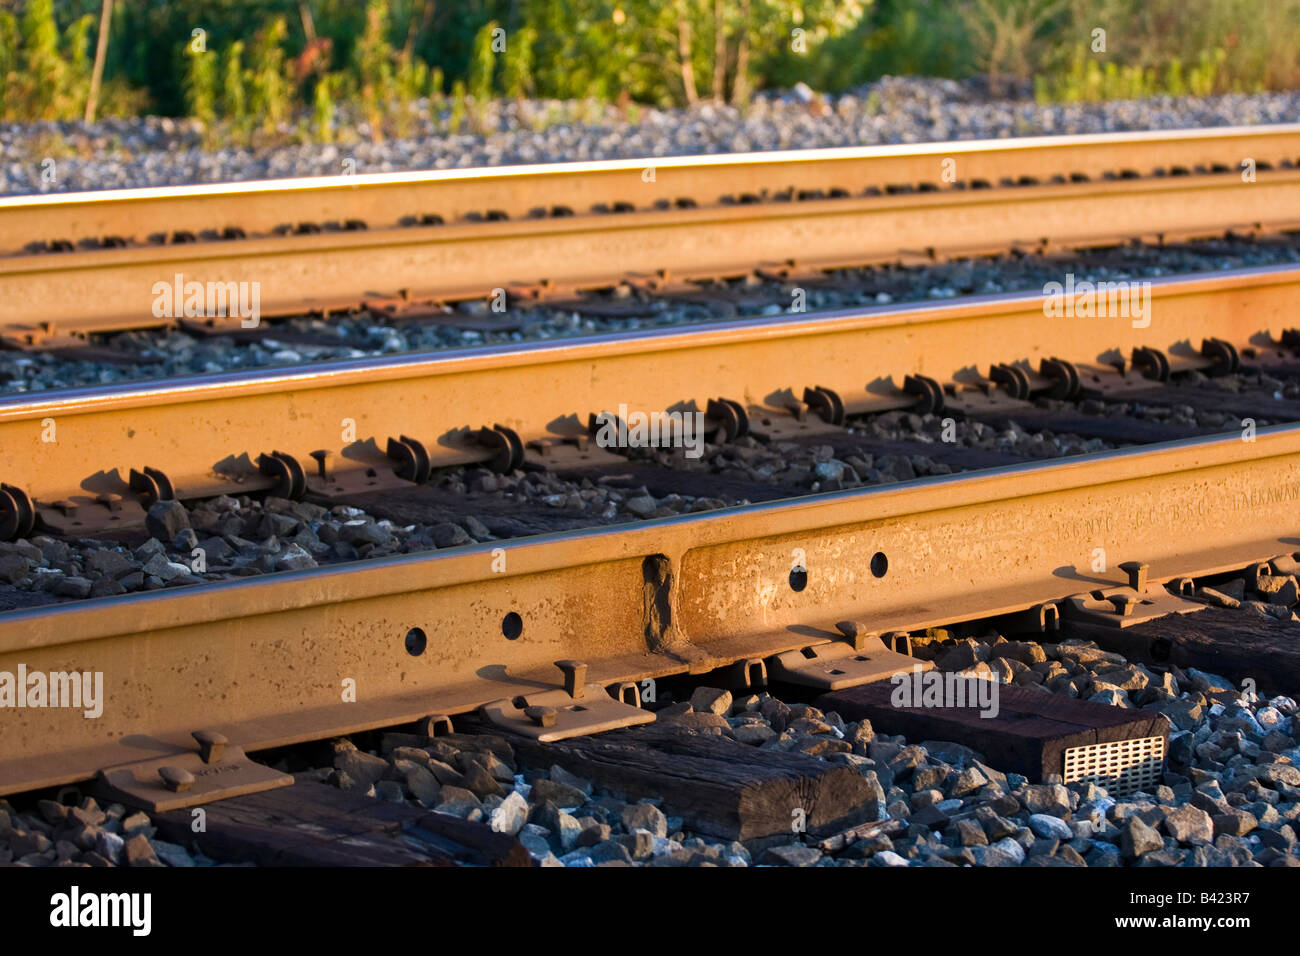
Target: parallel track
(262, 660)
(696, 217)
(207, 434)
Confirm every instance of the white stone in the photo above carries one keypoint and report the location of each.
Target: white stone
(664, 846)
(1269, 718)
(1049, 827)
(890, 858)
(1011, 848)
(511, 815)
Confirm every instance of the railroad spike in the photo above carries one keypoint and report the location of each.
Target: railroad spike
(853, 632)
(1124, 603)
(211, 745)
(575, 678)
(176, 779)
(1137, 575)
(541, 716)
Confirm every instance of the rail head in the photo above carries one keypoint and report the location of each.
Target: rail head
(1285, 134)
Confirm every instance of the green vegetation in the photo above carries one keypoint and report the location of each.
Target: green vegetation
(266, 70)
(43, 75)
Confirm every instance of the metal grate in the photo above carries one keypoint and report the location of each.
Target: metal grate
(1122, 767)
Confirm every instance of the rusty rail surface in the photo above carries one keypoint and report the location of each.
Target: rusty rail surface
(585, 225)
(79, 457)
(268, 661)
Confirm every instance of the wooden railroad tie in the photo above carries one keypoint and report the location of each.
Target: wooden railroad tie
(718, 786)
(1029, 735)
(313, 824)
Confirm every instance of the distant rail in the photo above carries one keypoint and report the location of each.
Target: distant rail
(75, 264)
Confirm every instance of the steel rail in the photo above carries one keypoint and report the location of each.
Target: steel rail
(191, 429)
(262, 660)
(72, 294)
(382, 199)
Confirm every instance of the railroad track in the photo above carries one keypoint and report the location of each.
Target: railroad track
(381, 331)
(815, 577)
(705, 590)
(413, 240)
(677, 597)
(340, 429)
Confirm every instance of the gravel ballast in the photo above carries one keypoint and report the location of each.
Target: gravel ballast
(229, 537)
(157, 151)
(171, 353)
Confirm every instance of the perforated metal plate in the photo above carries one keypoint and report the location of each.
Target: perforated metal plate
(1122, 766)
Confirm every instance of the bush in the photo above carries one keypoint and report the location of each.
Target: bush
(41, 77)
(269, 88)
(271, 68)
(201, 87)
